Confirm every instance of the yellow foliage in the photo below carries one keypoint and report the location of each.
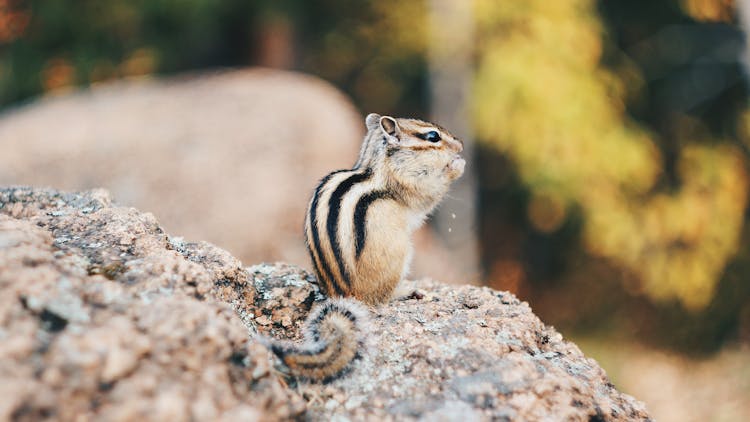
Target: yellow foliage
(141, 62)
(677, 243)
(542, 98)
(710, 10)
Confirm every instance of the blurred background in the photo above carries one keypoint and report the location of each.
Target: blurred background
(608, 146)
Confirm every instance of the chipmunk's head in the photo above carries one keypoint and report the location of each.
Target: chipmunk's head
(420, 156)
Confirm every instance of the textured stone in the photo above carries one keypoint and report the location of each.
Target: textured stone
(94, 326)
(104, 316)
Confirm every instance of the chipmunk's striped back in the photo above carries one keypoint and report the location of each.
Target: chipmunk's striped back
(359, 221)
(336, 224)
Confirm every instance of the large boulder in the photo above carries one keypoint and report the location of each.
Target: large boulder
(105, 316)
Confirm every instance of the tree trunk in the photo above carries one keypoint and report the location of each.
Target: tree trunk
(743, 14)
(451, 76)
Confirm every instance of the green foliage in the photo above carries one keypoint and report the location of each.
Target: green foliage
(373, 50)
(66, 43)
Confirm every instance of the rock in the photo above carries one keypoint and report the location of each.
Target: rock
(96, 327)
(230, 157)
(105, 316)
(493, 361)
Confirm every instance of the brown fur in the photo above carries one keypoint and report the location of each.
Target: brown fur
(407, 177)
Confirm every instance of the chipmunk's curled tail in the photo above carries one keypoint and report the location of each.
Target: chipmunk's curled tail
(334, 338)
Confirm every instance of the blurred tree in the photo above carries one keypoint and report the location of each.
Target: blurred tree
(451, 75)
(544, 99)
(61, 43)
(374, 50)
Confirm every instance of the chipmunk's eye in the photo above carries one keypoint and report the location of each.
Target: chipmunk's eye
(431, 136)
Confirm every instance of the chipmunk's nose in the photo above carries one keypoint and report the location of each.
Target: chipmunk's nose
(459, 146)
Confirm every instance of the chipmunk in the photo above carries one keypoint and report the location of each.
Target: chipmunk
(359, 221)
(358, 233)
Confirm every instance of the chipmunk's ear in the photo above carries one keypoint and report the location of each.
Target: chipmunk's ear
(372, 121)
(389, 125)
(390, 129)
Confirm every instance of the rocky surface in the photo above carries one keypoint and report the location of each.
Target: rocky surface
(242, 149)
(105, 317)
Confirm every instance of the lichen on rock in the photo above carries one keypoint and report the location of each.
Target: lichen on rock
(105, 316)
